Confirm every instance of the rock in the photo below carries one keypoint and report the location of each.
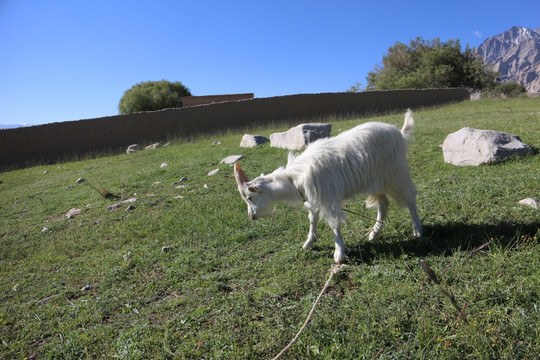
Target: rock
(205, 186)
(153, 146)
(46, 172)
(474, 147)
(130, 207)
(164, 165)
(86, 288)
(167, 248)
(249, 141)
(132, 148)
(156, 183)
(178, 197)
(213, 172)
(44, 229)
(130, 200)
(180, 187)
(179, 181)
(299, 136)
(114, 207)
(216, 143)
(231, 159)
(530, 202)
(73, 212)
(80, 181)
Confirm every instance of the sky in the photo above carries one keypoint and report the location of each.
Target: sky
(70, 60)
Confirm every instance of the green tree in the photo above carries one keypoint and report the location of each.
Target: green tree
(427, 64)
(152, 95)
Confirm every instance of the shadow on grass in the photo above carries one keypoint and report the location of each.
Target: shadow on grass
(444, 240)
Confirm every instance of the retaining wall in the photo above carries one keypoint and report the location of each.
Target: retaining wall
(61, 141)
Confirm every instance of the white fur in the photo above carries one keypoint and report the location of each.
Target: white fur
(368, 159)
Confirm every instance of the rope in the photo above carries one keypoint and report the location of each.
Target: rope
(334, 269)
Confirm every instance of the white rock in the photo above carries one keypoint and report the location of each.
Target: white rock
(231, 159)
(530, 202)
(130, 200)
(474, 147)
(299, 136)
(80, 181)
(73, 212)
(153, 146)
(213, 172)
(164, 165)
(132, 148)
(249, 141)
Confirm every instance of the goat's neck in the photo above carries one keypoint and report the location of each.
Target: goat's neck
(283, 189)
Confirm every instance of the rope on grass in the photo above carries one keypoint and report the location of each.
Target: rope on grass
(334, 269)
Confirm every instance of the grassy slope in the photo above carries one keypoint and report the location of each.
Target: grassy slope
(232, 288)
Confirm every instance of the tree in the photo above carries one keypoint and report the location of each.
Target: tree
(430, 64)
(152, 95)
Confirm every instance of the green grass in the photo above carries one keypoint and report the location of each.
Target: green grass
(231, 288)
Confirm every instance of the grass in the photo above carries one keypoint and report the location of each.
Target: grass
(99, 286)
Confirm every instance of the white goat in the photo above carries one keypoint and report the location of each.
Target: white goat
(369, 159)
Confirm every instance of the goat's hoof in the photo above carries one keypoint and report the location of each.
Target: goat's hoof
(373, 235)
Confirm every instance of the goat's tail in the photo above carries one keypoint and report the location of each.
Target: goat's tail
(408, 125)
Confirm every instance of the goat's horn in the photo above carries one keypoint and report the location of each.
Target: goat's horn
(239, 175)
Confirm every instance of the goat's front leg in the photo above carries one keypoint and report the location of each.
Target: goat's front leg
(340, 254)
(312, 236)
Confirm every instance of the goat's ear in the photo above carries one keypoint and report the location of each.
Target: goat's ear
(239, 175)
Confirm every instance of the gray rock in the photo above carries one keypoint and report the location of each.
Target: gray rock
(213, 172)
(114, 207)
(300, 136)
(80, 181)
(474, 147)
(249, 141)
(153, 146)
(217, 142)
(167, 248)
(231, 159)
(132, 148)
(164, 165)
(530, 202)
(179, 181)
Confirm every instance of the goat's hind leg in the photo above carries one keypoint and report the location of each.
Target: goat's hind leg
(382, 203)
(312, 236)
(417, 226)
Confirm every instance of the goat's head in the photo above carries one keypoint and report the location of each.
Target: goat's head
(256, 193)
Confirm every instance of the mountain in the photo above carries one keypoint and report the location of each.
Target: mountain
(516, 55)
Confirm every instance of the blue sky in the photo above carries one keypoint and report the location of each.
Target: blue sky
(71, 60)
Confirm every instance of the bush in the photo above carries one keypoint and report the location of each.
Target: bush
(152, 95)
(507, 89)
(430, 64)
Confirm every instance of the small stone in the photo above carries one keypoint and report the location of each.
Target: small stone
(205, 186)
(180, 187)
(73, 212)
(231, 159)
(167, 248)
(132, 148)
(130, 200)
(69, 187)
(114, 207)
(156, 183)
(530, 202)
(179, 181)
(44, 229)
(130, 207)
(86, 288)
(178, 197)
(213, 172)
(216, 143)
(46, 172)
(153, 146)
(80, 181)
(164, 165)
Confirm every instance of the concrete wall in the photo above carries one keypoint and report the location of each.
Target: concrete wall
(60, 141)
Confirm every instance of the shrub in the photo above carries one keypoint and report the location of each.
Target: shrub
(152, 95)
(507, 89)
